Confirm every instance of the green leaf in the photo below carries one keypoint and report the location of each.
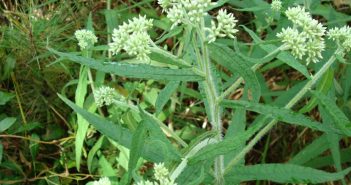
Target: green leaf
(328, 160)
(227, 145)
(134, 71)
(6, 123)
(283, 56)
(323, 86)
(280, 114)
(1, 152)
(80, 94)
(340, 119)
(106, 167)
(34, 146)
(165, 57)
(227, 58)
(136, 148)
(333, 140)
(92, 153)
(5, 97)
(122, 135)
(283, 173)
(165, 95)
(237, 126)
(311, 151)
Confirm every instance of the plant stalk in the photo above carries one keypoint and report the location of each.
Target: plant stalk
(290, 104)
(211, 92)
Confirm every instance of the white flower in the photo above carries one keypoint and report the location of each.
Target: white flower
(342, 36)
(104, 96)
(102, 181)
(306, 38)
(86, 38)
(138, 45)
(176, 14)
(161, 171)
(276, 5)
(185, 11)
(294, 41)
(225, 27)
(133, 38)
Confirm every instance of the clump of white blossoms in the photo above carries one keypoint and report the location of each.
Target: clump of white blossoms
(102, 181)
(185, 11)
(104, 96)
(161, 175)
(305, 39)
(276, 5)
(342, 36)
(225, 26)
(86, 38)
(132, 37)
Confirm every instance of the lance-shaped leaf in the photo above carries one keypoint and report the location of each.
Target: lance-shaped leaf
(144, 71)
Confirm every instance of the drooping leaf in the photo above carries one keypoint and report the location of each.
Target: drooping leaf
(134, 71)
(283, 173)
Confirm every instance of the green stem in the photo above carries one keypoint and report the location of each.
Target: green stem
(290, 104)
(211, 97)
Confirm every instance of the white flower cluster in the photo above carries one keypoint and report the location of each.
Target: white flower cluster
(276, 5)
(132, 37)
(306, 37)
(102, 181)
(225, 27)
(185, 11)
(161, 175)
(342, 36)
(104, 96)
(86, 38)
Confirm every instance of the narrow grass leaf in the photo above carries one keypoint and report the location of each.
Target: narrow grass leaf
(80, 94)
(280, 114)
(165, 95)
(134, 71)
(283, 173)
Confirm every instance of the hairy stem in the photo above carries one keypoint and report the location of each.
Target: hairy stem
(211, 92)
(290, 104)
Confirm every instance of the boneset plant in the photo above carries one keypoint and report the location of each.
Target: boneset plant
(216, 157)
